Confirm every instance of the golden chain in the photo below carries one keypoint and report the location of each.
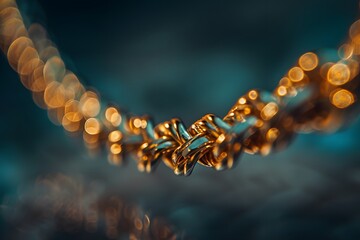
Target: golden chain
(318, 94)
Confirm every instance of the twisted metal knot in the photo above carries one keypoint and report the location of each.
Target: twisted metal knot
(189, 148)
(227, 140)
(210, 141)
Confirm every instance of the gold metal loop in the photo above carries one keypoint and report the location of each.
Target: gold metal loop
(150, 152)
(187, 154)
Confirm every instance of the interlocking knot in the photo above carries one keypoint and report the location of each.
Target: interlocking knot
(210, 141)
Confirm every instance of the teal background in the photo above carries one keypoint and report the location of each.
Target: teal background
(186, 59)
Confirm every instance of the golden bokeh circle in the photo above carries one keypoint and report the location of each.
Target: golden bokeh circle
(308, 61)
(338, 74)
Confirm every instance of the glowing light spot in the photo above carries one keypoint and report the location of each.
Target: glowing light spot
(16, 49)
(259, 123)
(296, 74)
(143, 123)
(115, 148)
(72, 85)
(113, 116)
(8, 10)
(27, 55)
(71, 106)
(269, 111)
(36, 81)
(253, 94)
(137, 122)
(90, 105)
(54, 96)
(342, 98)
(11, 29)
(237, 147)
(71, 122)
(138, 224)
(49, 52)
(281, 91)
(29, 67)
(146, 221)
(115, 136)
(308, 61)
(247, 110)
(30, 76)
(285, 82)
(73, 116)
(346, 51)
(272, 134)
(242, 100)
(54, 69)
(92, 126)
(338, 74)
(354, 32)
(265, 149)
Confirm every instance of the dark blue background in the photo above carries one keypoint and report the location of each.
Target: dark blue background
(186, 59)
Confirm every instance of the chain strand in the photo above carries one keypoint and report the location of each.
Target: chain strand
(318, 94)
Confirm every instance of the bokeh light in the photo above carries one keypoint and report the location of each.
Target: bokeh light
(269, 111)
(308, 61)
(113, 116)
(92, 126)
(342, 98)
(296, 74)
(338, 74)
(90, 105)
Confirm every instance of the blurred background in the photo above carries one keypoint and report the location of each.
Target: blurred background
(184, 59)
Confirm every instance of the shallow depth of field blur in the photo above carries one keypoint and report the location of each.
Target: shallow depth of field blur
(181, 59)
